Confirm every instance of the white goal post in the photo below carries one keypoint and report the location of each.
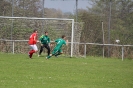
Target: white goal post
(35, 18)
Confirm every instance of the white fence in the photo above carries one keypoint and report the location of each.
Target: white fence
(122, 47)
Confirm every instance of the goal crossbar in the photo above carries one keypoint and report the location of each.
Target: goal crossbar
(36, 18)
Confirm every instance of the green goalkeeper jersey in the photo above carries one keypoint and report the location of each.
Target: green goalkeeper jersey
(44, 39)
(59, 43)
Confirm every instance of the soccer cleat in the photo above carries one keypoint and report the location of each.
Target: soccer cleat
(38, 55)
(46, 58)
(30, 56)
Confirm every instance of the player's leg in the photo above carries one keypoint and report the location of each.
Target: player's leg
(59, 52)
(55, 50)
(48, 49)
(41, 49)
(34, 49)
(31, 51)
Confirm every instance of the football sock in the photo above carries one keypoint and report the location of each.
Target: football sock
(49, 56)
(31, 53)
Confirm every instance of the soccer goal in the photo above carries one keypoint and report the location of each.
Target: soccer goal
(15, 31)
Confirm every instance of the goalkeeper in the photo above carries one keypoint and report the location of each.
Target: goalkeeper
(45, 42)
(57, 49)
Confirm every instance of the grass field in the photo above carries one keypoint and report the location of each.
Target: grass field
(18, 71)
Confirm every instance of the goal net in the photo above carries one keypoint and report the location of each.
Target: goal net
(15, 32)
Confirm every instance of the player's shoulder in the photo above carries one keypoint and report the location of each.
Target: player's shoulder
(34, 34)
(58, 39)
(41, 36)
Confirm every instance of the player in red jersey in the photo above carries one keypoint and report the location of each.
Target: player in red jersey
(32, 42)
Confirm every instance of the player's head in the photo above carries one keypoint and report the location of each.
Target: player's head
(46, 33)
(35, 30)
(63, 37)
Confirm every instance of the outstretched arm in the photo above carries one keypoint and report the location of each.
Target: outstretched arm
(67, 42)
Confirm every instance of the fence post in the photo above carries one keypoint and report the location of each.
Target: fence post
(85, 50)
(13, 47)
(122, 52)
(103, 50)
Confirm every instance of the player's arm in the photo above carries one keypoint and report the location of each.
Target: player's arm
(40, 39)
(49, 41)
(67, 42)
(35, 38)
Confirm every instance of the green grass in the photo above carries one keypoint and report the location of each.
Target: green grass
(18, 71)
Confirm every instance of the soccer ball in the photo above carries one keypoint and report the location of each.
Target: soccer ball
(117, 41)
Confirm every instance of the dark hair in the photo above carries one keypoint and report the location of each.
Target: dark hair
(34, 30)
(63, 36)
(46, 32)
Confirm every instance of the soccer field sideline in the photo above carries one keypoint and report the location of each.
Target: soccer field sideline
(18, 71)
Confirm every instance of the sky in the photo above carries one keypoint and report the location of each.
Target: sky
(66, 5)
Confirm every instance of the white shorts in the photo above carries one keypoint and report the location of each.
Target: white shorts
(34, 47)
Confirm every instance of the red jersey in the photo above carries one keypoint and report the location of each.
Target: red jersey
(33, 39)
